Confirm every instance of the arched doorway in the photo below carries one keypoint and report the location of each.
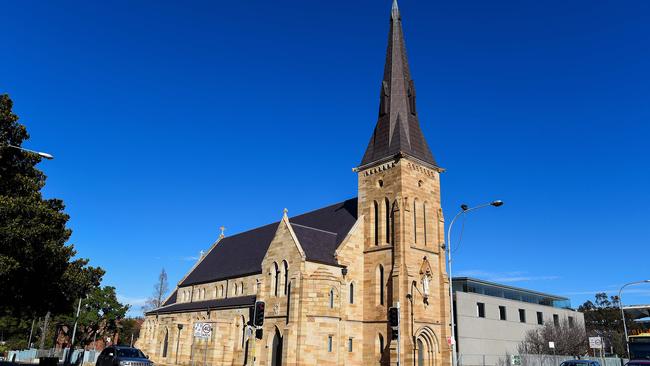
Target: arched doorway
(421, 352)
(276, 354)
(427, 350)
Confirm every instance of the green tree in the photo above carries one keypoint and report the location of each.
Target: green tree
(603, 319)
(129, 327)
(37, 270)
(100, 316)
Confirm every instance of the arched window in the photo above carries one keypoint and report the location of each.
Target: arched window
(424, 222)
(420, 346)
(276, 279)
(216, 292)
(285, 266)
(165, 343)
(387, 219)
(376, 222)
(276, 353)
(352, 293)
(415, 221)
(221, 291)
(241, 288)
(288, 301)
(235, 288)
(380, 284)
(246, 353)
(243, 330)
(380, 345)
(332, 298)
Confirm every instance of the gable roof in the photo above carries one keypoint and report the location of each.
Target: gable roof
(320, 232)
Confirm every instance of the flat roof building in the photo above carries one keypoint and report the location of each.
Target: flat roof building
(492, 319)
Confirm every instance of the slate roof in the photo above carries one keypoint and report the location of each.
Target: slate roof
(319, 232)
(171, 299)
(397, 130)
(231, 302)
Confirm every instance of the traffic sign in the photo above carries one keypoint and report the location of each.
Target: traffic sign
(203, 330)
(595, 342)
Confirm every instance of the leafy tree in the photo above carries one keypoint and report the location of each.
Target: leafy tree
(37, 270)
(100, 316)
(569, 340)
(15, 331)
(603, 319)
(159, 291)
(129, 326)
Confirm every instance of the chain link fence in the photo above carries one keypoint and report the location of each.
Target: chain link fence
(530, 360)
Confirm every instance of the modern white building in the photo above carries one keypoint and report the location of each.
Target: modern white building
(492, 319)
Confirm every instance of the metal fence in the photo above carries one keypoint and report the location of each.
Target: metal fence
(32, 355)
(529, 360)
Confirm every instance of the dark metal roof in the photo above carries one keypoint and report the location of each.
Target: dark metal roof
(319, 232)
(231, 302)
(171, 299)
(319, 245)
(398, 129)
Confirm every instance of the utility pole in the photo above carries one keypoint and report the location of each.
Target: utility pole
(44, 330)
(31, 331)
(74, 329)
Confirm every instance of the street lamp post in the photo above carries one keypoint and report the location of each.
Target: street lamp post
(620, 304)
(39, 153)
(463, 210)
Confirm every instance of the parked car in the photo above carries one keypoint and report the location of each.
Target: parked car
(580, 363)
(638, 363)
(122, 356)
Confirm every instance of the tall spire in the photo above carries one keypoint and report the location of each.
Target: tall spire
(398, 129)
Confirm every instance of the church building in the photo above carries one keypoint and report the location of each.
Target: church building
(328, 277)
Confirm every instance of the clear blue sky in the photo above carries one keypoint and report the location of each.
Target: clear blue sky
(169, 120)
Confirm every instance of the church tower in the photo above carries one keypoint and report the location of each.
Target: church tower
(399, 198)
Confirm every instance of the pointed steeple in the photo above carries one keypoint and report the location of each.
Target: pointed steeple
(398, 129)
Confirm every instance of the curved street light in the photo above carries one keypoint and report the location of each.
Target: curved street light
(620, 304)
(463, 210)
(39, 153)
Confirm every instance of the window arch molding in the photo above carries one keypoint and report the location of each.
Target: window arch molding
(427, 339)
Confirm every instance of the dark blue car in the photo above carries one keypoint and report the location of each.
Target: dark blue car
(580, 363)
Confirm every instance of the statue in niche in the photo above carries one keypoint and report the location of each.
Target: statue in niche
(425, 272)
